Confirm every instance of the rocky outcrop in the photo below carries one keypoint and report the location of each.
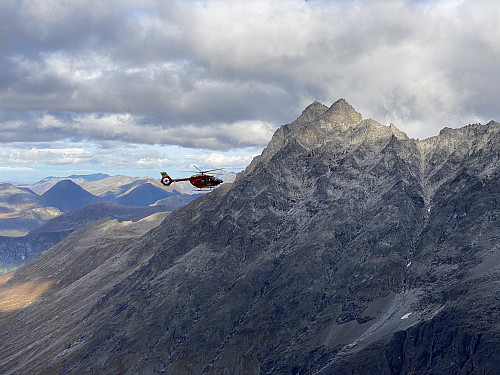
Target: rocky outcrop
(345, 248)
(16, 251)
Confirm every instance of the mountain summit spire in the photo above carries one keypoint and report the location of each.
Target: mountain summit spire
(342, 112)
(316, 125)
(312, 112)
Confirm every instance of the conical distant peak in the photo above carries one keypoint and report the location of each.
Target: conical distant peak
(342, 112)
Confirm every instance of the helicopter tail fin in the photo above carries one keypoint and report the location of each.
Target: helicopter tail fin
(166, 179)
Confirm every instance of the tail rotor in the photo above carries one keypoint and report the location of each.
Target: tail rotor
(166, 179)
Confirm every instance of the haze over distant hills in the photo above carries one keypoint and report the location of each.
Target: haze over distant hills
(344, 248)
(79, 178)
(22, 209)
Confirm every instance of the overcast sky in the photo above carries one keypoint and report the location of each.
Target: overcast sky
(135, 87)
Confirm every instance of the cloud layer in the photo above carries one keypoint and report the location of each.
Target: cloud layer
(222, 75)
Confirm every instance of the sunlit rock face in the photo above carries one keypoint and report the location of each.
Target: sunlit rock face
(344, 248)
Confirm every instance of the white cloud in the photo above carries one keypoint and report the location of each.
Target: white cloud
(30, 155)
(16, 169)
(216, 160)
(222, 75)
(127, 128)
(50, 156)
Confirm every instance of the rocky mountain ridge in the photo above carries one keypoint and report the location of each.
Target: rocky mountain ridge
(344, 248)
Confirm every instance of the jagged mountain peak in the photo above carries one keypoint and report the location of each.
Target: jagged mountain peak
(310, 128)
(341, 112)
(397, 133)
(320, 116)
(338, 127)
(312, 112)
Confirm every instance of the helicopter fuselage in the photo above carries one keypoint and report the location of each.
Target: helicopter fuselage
(200, 180)
(204, 181)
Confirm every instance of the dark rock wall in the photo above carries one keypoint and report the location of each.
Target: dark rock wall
(16, 251)
(345, 248)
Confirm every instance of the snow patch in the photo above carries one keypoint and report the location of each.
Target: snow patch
(406, 316)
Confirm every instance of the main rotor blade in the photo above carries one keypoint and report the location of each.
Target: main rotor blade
(210, 170)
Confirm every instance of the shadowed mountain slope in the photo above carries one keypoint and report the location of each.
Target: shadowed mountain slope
(345, 248)
(97, 211)
(144, 195)
(68, 196)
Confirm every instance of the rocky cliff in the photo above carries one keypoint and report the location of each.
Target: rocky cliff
(345, 248)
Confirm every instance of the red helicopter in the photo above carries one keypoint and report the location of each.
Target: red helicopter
(201, 180)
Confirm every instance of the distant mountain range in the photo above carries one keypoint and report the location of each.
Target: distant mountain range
(25, 207)
(46, 183)
(102, 184)
(78, 177)
(68, 196)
